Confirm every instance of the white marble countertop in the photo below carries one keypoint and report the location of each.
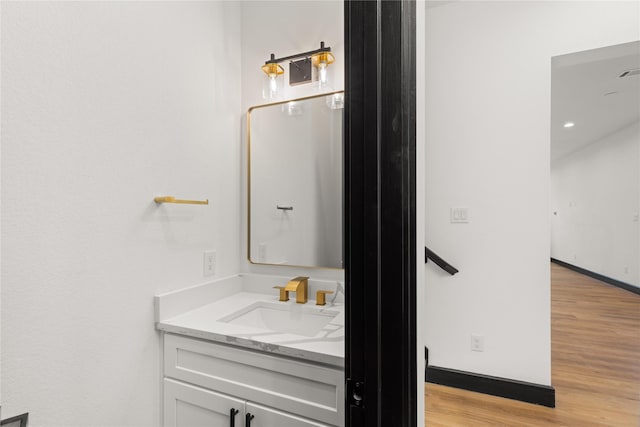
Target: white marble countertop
(209, 322)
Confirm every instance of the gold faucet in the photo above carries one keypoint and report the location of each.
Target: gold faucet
(299, 285)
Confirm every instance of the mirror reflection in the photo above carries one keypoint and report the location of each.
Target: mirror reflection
(595, 161)
(295, 182)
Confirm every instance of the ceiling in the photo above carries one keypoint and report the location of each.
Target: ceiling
(586, 90)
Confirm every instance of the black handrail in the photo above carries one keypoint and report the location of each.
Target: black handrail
(430, 255)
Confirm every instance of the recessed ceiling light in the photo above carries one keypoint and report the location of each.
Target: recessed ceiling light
(569, 125)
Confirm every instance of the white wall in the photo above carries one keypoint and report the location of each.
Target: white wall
(286, 28)
(488, 68)
(595, 204)
(104, 106)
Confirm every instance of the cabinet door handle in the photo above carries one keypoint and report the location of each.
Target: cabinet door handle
(232, 417)
(247, 419)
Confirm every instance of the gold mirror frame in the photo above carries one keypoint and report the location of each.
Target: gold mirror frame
(249, 111)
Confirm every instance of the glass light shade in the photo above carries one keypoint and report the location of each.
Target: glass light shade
(335, 101)
(272, 85)
(321, 61)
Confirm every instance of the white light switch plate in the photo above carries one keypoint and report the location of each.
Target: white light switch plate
(459, 215)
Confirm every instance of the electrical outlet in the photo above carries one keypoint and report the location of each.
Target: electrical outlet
(262, 252)
(477, 342)
(210, 263)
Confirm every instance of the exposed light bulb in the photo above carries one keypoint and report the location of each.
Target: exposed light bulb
(322, 73)
(273, 84)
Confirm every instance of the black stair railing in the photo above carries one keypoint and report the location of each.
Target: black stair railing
(430, 255)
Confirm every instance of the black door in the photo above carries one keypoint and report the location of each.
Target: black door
(380, 254)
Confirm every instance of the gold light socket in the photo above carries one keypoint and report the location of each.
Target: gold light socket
(326, 57)
(272, 69)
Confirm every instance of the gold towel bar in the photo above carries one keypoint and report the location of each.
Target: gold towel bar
(171, 199)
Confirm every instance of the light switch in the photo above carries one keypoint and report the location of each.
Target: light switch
(459, 215)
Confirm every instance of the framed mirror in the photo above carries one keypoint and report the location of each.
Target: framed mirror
(295, 182)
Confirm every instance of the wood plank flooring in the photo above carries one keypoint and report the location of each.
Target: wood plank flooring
(595, 363)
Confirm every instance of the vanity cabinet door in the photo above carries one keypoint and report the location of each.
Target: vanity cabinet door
(293, 386)
(267, 417)
(189, 406)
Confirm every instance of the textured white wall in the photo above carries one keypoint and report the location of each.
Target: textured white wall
(595, 197)
(488, 68)
(104, 106)
(286, 28)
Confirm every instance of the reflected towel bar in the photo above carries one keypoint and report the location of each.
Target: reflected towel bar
(171, 199)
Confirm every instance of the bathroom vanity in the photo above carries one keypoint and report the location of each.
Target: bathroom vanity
(256, 350)
(235, 355)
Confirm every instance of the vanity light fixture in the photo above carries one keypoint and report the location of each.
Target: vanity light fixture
(300, 70)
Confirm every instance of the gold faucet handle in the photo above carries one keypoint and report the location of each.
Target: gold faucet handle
(284, 294)
(321, 297)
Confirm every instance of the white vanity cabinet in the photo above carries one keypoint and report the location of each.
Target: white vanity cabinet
(204, 381)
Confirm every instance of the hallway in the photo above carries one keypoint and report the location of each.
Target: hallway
(595, 365)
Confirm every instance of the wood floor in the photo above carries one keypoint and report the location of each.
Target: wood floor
(595, 362)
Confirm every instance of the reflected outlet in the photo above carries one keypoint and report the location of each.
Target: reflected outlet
(262, 252)
(477, 342)
(209, 263)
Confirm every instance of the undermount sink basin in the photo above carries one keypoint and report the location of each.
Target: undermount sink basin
(285, 318)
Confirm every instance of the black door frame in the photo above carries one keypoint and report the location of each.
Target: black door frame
(380, 213)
